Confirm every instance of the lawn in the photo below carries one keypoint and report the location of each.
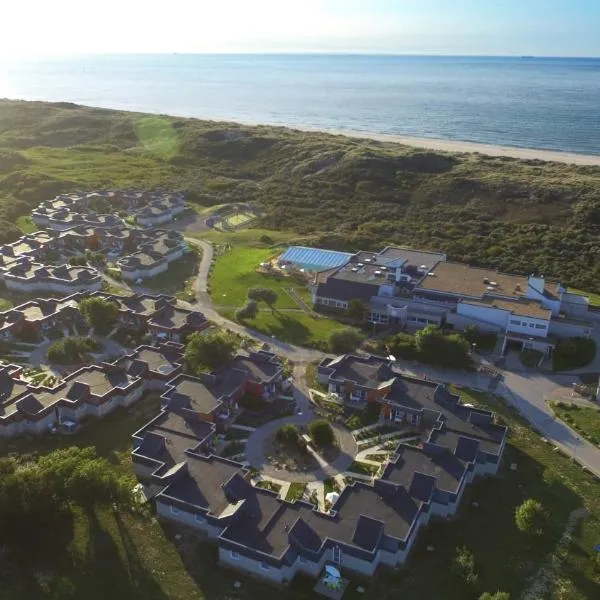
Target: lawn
(594, 298)
(252, 237)
(293, 327)
(235, 272)
(583, 419)
(295, 491)
(178, 279)
(26, 225)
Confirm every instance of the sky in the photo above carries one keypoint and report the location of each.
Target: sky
(481, 27)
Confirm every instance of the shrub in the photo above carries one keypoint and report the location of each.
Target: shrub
(321, 433)
(446, 350)
(573, 353)
(531, 517)
(78, 261)
(464, 565)
(344, 340)
(288, 434)
(496, 596)
(262, 294)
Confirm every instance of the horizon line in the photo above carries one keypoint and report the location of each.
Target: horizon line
(297, 53)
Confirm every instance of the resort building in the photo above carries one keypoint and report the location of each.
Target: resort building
(371, 524)
(153, 257)
(401, 288)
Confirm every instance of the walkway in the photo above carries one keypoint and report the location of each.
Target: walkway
(255, 445)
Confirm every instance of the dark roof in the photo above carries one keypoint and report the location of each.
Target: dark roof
(343, 290)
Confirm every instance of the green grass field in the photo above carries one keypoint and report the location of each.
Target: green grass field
(583, 419)
(26, 225)
(594, 298)
(235, 272)
(250, 237)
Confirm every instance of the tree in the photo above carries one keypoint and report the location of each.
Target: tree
(100, 313)
(495, 596)
(345, 339)
(447, 350)
(211, 350)
(78, 261)
(262, 294)
(531, 517)
(248, 311)
(321, 433)
(357, 309)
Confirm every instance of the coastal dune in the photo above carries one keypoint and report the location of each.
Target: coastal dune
(458, 146)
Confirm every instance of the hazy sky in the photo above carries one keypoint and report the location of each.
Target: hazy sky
(504, 27)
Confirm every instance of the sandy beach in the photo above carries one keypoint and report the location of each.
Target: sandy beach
(456, 146)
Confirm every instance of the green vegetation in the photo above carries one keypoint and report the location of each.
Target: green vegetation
(233, 449)
(235, 273)
(293, 327)
(363, 468)
(71, 350)
(266, 484)
(481, 340)
(295, 491)
(261, 294)
(573, 353)
(100, 314)
(344, 340)
(248, 311)
(357, 310)
(530, 517)
(288, 434)
(321, 433)
(494, 596)
(311, 377)
(531, 358)
(26, 225)
(585, 420)
(209, 351)
(464, 566)
(367, 416)
(178, 280)
(515, 215)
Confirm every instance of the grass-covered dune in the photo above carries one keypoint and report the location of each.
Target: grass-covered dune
(516, 215)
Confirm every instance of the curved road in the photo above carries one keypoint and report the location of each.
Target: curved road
(255, 445)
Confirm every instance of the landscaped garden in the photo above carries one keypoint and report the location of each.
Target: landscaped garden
(583, 419)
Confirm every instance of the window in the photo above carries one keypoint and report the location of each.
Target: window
(200, 519)
(174, 510)
(532, 325)
(538, 326)
(515, 322)
(234, 555)
(264, 566)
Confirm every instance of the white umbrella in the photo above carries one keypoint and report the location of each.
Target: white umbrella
(332, 571)
(332, 497)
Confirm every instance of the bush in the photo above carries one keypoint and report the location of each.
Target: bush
(71, 350)
(321, 433)
(573, 353)
(344, 340)
(464, 565)
(496, 596)
(531, 517)
(288, 434)
(78, 261)
(248, 311)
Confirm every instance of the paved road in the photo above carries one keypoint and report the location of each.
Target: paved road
(254, 446)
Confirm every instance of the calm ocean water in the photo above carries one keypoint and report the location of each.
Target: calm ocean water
(533, 103)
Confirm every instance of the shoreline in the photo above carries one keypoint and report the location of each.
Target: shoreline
(442, 145)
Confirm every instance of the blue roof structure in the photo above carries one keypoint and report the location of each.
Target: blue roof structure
(315, 259)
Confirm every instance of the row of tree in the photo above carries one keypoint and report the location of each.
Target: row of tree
(32, 496)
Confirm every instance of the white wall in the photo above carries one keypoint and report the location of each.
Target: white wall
(494, 316)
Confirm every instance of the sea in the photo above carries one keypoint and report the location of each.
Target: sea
(544, 103)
